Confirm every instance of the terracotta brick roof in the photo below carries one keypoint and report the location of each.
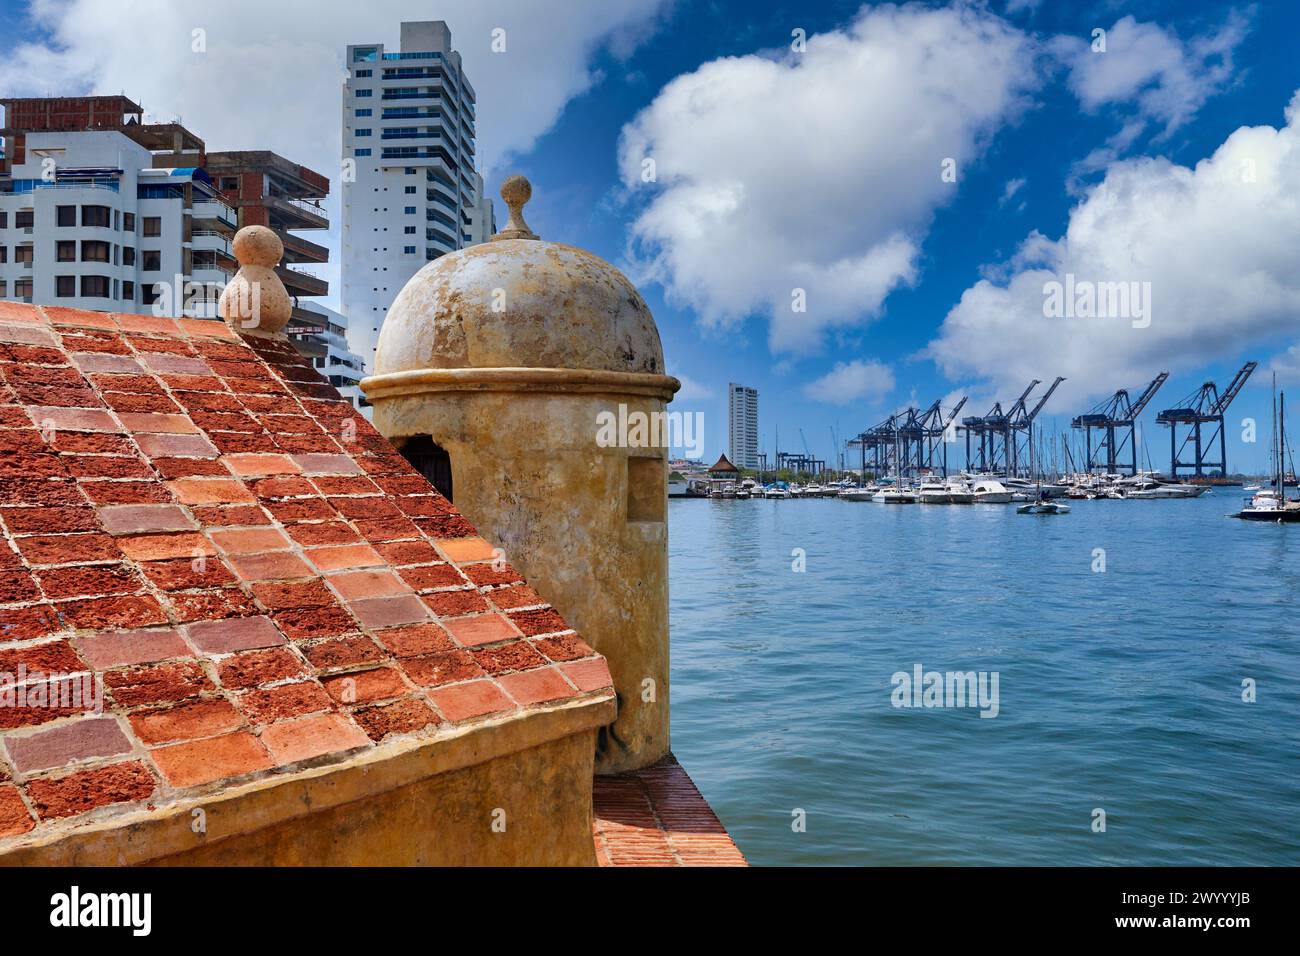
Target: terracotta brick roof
(657, 817)
(255, 575)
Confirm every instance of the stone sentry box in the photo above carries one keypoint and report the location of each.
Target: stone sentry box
(505, 355)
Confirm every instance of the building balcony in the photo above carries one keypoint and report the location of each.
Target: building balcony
(302, 283)
(214, 216)
(301, 250)
(297, 213)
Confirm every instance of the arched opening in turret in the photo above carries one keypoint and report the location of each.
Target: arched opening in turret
(431, 460)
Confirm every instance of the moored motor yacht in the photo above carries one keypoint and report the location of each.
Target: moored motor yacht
(893, 496)
(987, 491)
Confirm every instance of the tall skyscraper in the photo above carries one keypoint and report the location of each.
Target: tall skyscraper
(410, 190)
(742, 425)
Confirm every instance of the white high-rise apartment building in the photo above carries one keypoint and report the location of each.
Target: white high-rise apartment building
(742, 425)
(86, 221)
(410, 190)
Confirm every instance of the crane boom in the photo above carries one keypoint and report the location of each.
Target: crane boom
(1234, 387)
(1149, 393)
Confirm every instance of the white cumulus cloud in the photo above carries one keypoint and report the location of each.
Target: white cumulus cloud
(856, 381)
(1218, 244)
(817, 171)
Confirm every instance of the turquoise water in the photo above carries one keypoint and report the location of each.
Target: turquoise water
(1119, 690)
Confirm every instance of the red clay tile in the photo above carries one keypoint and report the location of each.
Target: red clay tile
(234, 634)
(207, 327)
(317, 464)
(366, 687)
(176, 446)
(129, 322)
(251, 540)
(340, 557)
(389, 611)
(445, 667)
(272, 566)
(475, 699)
(157, 683)
(257, 465)
(588, 675)
(454, 603)
(343, 652)
(466, 549)
(284, 701)
(161, 547)
(535, 687)
(116, 648)
(15, 818)
(157, 424)
(430, 576)
(508, 658)
(306, 737)
(113, 613)
(90, 789)
(354, 585)
(484, 629)
(143, 519)
(251, 668)
(60, 746)
(203, 761)
(188, 721)
(400, 717)
(67, 548)
(206, 491)
(417, 640)
(51, 418)
(97, 362)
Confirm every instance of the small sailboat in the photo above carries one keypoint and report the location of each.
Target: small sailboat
(1273, 504)
(1043, 506)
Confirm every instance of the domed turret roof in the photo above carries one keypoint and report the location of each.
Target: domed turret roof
(519, 302)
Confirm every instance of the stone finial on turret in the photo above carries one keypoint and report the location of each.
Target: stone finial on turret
(516, 191)
(256, 301)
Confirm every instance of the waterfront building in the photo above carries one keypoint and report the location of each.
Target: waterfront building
(410, 189)
(742, 425)
(99, 210)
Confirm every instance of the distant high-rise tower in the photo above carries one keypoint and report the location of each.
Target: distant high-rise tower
(742, 425)
(413, 194)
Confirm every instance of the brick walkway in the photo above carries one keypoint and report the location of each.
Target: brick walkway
(657, 817)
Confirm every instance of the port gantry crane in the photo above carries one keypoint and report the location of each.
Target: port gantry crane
(1204, 407)
(910, 442)
(999, 433)
(1116, 419)
(1022, 422)
(932, 427)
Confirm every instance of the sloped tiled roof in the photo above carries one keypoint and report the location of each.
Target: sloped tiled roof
(257, 577)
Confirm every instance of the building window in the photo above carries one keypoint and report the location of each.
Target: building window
(97, 216)
(153, 225)
(361, 152)
(128, 222)
(431, 460)
(365, 112)
(364, 93)
(152, 260)
(148, 294)
(409, 230)
(4, 288)
(94, 287)
(409, 210)
(4, 219)
(408, 250)
(64, 216)
(365, 54)
(23, 288)
(410, 190)
(4, 253)
(94, 251)
(363, 132)
(22, 254)
(128, 291)
(362, 74)
(128, 255)
(65, 287)
(25, 218)
(65, 251)
(410, 170)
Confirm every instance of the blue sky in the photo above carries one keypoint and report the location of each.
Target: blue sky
(821, 169)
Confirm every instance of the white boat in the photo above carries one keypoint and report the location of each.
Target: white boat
(959, 493)
(989, 492)
(893, 496)
(933, 493)
(1253, 488)
(775, 491)
(857, 494)
(677, 489)
(1044, 507)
